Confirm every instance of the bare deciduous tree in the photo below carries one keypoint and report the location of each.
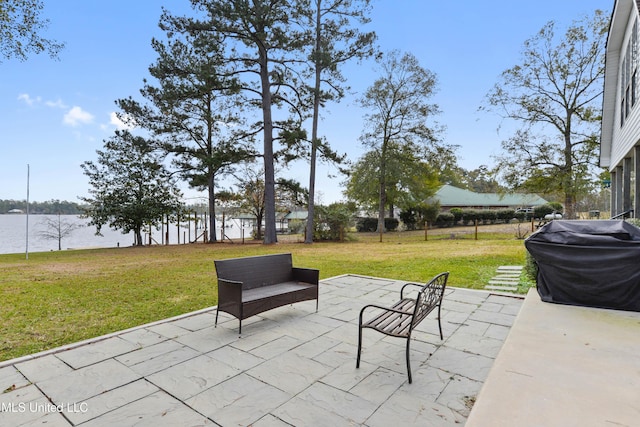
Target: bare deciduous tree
(397, 132)
(57, 229)
(556, 95)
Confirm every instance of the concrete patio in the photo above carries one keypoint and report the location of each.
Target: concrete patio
(564, 366)
(291, 367)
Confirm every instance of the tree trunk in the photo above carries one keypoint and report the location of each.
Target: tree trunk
(382, 191)
(569, 206)
(308, 238)
(212, 175)
(59, 233)
(383, 202)
(568, 179)
(269, 172)
(138, 234)
(312, 186)
(212, 211)
(258, 227)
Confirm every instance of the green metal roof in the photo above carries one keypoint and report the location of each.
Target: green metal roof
(296, 215)
(450, 196)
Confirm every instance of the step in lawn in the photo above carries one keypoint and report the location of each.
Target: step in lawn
(506, 279)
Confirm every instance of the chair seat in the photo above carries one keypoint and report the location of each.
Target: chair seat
(392, 322)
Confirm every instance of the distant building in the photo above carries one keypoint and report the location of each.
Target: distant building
(454, 197)
(620, 139)
(286, 219)
(296, 216)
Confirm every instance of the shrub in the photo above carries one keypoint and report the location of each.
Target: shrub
(391, 224)
(367, 224)
(445, 219)
(521, 216)
(488, 216)
(331, 222)
(410, 218)
(430, 212)
(557, 207)
(505, 215)
(469, 216)
(457, 214)
(297, 226)
(530, 267)
(370, 224)
(542, 210)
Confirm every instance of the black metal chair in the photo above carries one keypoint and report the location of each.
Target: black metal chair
(400, 319)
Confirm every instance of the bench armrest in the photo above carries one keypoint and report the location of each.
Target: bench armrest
(381, 308)
(306, 275)
(409, 284)
(229, 291)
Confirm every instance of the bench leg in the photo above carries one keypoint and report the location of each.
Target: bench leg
(216, 323)
(440, 324)
(408, 362)
(359, 345)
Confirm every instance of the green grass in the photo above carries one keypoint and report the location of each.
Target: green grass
(56, 298)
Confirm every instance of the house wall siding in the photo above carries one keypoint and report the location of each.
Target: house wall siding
(625, 137)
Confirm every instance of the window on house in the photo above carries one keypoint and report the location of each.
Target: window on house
(629, 76)
(634, 62)
(626, 104)
(633, 87)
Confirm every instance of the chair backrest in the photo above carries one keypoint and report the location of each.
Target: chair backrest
(429, 297)
(256, 271)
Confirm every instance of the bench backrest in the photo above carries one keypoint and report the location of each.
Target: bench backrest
(429, 297)
(256, 271)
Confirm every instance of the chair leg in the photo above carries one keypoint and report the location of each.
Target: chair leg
(408, 362)
(359, 346)
(216, 324)
(440, 324)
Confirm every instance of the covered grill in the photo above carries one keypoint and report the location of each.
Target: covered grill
(592, 263)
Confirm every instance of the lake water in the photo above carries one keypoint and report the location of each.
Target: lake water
(13, 230)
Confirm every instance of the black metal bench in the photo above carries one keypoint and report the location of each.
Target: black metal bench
(251, 285)
(401, 318)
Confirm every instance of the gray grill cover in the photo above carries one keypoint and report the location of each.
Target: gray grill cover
(590, 263)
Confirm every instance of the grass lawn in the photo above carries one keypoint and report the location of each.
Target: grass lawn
(56, 298)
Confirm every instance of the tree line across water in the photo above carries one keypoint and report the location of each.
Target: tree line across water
(51, 207)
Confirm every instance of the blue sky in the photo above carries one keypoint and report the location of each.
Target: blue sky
(56, 113)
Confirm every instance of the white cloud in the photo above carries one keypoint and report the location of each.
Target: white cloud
(31, 101)
(77, 116)
(119, 124)
(55, 104)
(27, 99)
